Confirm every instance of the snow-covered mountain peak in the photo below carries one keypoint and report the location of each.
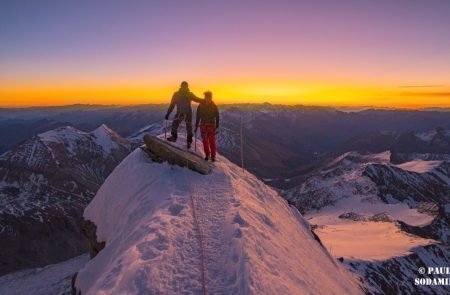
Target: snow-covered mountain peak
(62, 134)
(107, 138)
(101, 138)
(49, 179)
(103, 131)
(103, 128)
(169, 230)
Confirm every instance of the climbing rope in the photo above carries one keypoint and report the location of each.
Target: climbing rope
(200, 241)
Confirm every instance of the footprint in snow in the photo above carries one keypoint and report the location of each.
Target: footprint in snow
(151, 249)
(175, 209)
(239, 220)
(237, 233)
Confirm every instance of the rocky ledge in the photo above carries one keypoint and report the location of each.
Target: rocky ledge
(161, 151)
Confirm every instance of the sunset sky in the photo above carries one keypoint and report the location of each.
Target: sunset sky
(347, 53)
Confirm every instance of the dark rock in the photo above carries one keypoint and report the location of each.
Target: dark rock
(437, 229)
(89, 231)
(352, 216)
(163, 151)
(73, 289)
(396, 275)
(316, 237)
(381, 217)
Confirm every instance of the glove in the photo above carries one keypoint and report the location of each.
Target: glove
(196, 128)
(166, 117)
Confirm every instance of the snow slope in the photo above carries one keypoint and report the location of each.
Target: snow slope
(51, 279)
(419, 166)
(246, 240)
(368, 241)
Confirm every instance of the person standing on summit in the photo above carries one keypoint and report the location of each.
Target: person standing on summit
(182, 100)
(208, 118)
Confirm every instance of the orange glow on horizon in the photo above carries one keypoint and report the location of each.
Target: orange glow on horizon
(276, 93)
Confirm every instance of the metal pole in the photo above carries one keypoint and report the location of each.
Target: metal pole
(242, 147)
(165, 129)
(195, 140)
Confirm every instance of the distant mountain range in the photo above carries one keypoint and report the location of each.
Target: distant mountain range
(51, 171)
(296, 136)
(436, 141)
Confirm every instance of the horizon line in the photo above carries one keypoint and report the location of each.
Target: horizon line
(231, 104)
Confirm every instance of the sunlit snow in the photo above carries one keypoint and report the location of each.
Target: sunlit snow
(253, 241)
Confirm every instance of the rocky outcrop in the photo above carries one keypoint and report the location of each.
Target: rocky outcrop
(89, 231)
(162, 151)
(397, 275)
(437, 229)
(409, 186)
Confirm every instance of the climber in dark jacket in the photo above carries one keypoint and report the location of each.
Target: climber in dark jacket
(208, 118)
(182, 100)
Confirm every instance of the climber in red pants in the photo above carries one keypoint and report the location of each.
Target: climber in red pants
(208, 118)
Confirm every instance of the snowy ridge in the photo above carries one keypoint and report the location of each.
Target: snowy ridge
(51, 279)
(420, 166)
(103, 136)
(254, 243)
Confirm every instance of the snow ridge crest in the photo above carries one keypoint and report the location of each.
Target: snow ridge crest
(254, 242)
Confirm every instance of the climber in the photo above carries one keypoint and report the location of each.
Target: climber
(208, 117)
(182, 99)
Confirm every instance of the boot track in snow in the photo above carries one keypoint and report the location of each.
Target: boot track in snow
(209, 207)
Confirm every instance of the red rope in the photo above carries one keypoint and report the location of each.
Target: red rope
(202, 248)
